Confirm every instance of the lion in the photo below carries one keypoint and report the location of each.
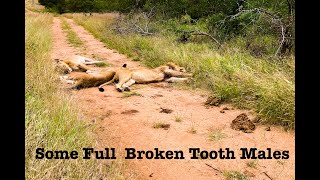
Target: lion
(90, 79)
(74, 63)
(85, 80)
(169, 73)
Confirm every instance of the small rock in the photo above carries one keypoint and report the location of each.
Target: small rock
(225, 108)
(212, 101)
(164, 110)
(242, 123)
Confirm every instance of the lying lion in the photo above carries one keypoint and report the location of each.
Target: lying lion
(85, 80)
(90, 79)
(169, 72)
(74, 63)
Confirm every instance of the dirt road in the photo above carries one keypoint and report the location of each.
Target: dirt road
(128, 122)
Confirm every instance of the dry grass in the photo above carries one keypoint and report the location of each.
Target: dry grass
(34, 6)
(158, 125)
(131, 93)
(192, 130)
(216, 135)
(178, 118)
(232, 175)
(52, 120)
(253, 164)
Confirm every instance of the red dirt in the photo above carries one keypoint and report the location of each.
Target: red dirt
(127, 122)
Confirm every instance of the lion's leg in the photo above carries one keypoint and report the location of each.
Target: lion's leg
(66, 79)
(69, 81)
(78, 85)
(69, 70)
(176, 79)
(87, 60)
(174, 73)
(121, 82)
(83, 66)
(129, 83)
(92, 62)
(89, 72)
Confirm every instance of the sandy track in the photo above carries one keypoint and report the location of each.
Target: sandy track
(127, 122)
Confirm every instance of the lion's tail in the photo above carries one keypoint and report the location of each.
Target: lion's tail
(109, 82)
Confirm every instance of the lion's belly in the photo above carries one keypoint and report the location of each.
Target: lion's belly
(147, 76)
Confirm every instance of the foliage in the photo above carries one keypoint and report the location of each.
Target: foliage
(261, 83)
(221, 19)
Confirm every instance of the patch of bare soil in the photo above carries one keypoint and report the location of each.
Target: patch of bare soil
(135, 130)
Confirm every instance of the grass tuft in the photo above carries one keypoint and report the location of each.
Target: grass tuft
(234, 175)
(158, 125)
(131, 93)
(178, 118)
(192, 130)
(216, 135)
(101, 64)
(253, 164)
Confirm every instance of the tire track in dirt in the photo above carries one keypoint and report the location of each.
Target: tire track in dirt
(127, 122)
(61, 48)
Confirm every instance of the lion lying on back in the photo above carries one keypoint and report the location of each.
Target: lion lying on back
(74, 63)
(126, 77)
(90, 79)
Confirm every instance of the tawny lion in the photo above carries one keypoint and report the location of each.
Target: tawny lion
(74, 63)
(92, 79)
(85, 80)
(169, 72)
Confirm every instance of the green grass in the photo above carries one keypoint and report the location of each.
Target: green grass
(101, 64)
(265, 84)
(178, 118)
(234, 175)
(158, 125)
(216, 135)
(253, 164)
(52, 120)
(131, 93)
(34, 7)
(192, 130)
(71, 35)
(104, 63)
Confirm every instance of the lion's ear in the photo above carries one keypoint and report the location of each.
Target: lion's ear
(171, 65)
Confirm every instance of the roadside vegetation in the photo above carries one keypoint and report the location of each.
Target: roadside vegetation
(263, 84)
(52, 119)
(242, 51)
